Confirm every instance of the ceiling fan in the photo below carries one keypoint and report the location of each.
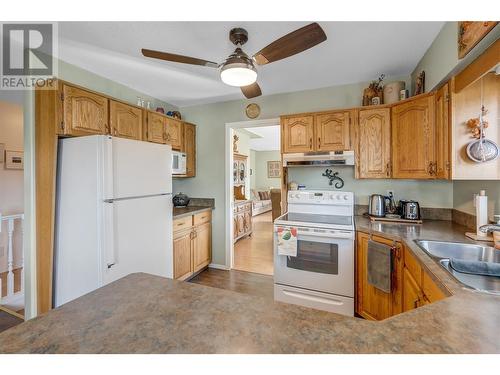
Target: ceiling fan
(239, 69)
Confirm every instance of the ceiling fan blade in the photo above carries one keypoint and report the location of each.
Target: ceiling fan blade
(251, 91)
(291, 44)
(178, 58)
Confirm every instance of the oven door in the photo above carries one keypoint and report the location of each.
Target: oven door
(324, 261)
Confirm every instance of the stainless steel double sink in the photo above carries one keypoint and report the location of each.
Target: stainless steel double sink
(442, 251)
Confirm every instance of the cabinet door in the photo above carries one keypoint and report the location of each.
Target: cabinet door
(297, 134)
(247, 221)
(125, 120)
(413, 139)
(443, 137)
(182, 254)
(85, 113)
(202, 253)
(235, 225)
(332, 131)
(241, 224)
(412, 294)
(174, 134)
(190, 149)
(374, 143)
(372, 303)
(155, 128)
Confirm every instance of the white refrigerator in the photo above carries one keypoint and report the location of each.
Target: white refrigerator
(113, 213)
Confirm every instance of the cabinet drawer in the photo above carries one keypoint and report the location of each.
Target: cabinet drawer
(431, 290)
(202, 217)
(183, 223)
(413, 266)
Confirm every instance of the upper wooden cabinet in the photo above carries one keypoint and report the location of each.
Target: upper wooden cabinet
(84, 113)
(374, 134)
(125, 120)
(190, 148)
(155, 128)
(325, 131)
(443, 133)
(174, 134)
(332, 131)
(297, 134)
(413, 142)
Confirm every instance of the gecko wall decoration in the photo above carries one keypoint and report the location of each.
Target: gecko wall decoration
(332, 176)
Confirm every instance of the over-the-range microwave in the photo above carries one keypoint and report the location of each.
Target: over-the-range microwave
(178, 162)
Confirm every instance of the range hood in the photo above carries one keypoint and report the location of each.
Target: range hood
(319, 159)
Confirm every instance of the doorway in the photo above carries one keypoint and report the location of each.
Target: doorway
(253, 161)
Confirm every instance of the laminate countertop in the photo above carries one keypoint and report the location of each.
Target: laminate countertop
(142, 313)
(179, 212)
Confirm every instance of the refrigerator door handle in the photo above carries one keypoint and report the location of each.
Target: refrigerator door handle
(109, 235)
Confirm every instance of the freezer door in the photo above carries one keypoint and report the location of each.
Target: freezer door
(138, 168)
(142, 238)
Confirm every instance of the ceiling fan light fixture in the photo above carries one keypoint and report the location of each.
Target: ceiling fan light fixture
(238, 74)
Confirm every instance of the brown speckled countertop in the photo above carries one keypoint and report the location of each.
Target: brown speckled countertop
(147, 314)
(189, 210)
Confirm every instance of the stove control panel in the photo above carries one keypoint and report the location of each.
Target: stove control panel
(320, 197)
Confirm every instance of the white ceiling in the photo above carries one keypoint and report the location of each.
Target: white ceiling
(353, 52)
(265, 138)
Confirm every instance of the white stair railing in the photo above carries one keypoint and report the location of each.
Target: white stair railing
(15, 299)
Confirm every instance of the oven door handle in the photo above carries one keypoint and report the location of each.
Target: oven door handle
(325, 234)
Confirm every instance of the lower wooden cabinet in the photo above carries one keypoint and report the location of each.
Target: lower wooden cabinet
(183, 254)
(202, 246)
(372, 303)
(192, 244)
(412, 286)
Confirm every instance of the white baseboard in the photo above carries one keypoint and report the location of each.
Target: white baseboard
(219, 266)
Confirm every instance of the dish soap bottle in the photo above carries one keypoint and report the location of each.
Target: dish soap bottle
(481, 212)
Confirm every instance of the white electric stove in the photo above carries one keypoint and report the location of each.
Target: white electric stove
(321, 276)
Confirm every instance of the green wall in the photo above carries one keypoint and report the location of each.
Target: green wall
(441, 58)
(436, 194)
(261, 179)
(463, 192)
(92, 81)
(211, 120)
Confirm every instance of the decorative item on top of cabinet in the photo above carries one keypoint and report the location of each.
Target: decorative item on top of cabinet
(374, 148)
(84, 113)
(332, 131)
(470, 33)
(190, 148)
(392, 91)
(125, 120)
(420, 83)
(374, 90)
(174, 133)
(155, 127)
(413, 138)
(297, 133)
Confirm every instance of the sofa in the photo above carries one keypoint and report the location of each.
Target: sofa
(261, 201)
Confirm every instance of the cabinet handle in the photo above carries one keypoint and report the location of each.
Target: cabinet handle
(429, 169)
(388, 169)
(415, 303)
(319, 142)
(310, 143)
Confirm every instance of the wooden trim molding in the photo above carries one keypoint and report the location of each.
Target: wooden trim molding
(47, 117)
(479, 67)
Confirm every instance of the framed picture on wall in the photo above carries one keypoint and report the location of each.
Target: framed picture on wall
(273, 169)
(14, 160)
